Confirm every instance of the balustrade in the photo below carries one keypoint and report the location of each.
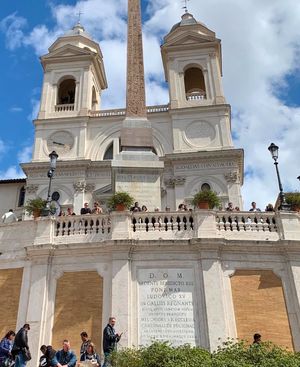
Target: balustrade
(122, 112)
(162, 221)
(64, 107)
(246, 221)
(83, 225)
(196, 96)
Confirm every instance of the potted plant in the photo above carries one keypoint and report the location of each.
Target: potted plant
(293, 198)
(120, 201)
(35, 206)
(206, 199)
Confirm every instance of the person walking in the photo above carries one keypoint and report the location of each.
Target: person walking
(6, 347)
(20, 349)
(110, 340)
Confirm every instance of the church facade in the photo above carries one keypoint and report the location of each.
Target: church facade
(195, 277)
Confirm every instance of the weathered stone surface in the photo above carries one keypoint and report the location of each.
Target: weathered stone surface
(136, 100)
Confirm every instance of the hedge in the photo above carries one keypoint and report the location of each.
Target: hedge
(229, 354)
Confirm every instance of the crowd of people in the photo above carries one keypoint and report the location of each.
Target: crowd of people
(14, 349)
(10, 216)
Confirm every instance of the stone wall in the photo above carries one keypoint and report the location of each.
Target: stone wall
(10, 286)
(78, 307)
(260, 307)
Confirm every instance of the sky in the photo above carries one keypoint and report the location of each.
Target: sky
(261, 73)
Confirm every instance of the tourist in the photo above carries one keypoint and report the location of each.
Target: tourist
(48, 356)
(91, 355)
(256, 338)
(254, 208)
(70, 211)
(167, 209)
(20, 349)
(156, 209)
(237, 209)
(230, 207)
(110, 340)
(9, 217)
(136, 207)
(97, 208)
(269, 208)
(144, 208)
(85, 342)
(62, 213)
(85, 209)
(181, 207)
(65, 356)
(6, 347)
(43, 358)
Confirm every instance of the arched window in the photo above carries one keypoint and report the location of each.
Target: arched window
(94, 100)
(66, 91)
(194, 84)
(109, 154)
(21, 196)
(205, 187)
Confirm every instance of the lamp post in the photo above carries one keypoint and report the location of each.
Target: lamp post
(53, 159)
(273, 149)
(298, 178)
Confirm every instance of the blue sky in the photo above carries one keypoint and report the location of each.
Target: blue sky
(261, 44)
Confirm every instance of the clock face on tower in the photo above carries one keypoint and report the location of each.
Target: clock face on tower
(60, 141)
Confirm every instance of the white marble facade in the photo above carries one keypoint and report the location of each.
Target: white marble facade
(176, 270)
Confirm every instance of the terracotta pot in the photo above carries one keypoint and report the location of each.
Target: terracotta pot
(203, 205)
(120, 207)
(36, 213)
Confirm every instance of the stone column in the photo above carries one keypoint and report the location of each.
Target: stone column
(121, 295)
(214, 298)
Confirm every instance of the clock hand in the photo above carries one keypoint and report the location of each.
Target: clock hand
(56, 143)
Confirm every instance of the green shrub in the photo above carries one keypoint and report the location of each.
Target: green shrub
(122, 198)
(293, 198)
(207, 196)
(229, 354)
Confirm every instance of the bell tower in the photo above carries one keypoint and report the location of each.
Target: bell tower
(192, 62)
(74, 76)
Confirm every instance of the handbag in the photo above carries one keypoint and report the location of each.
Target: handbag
(26, 354)
(7, 362)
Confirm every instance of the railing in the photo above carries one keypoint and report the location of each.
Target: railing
(122, 112)
(159, 221)
(83, 225)
(64, 107)
(196, 96)
(246, 221)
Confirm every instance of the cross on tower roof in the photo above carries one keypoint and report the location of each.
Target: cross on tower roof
(185, 5)
(79, 14)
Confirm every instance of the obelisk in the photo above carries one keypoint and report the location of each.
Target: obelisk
(137, 170)
(136, 131)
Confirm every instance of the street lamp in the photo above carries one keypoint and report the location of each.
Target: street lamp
(53, 158)
(273, 149)
(298, 178)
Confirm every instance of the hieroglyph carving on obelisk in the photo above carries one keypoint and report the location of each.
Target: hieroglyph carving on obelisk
(135, 98)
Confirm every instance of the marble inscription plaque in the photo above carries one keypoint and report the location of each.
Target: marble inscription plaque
(166, 306)
(145, 188)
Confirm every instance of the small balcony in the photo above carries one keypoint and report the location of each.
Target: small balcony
(199, 95)
(68, 107)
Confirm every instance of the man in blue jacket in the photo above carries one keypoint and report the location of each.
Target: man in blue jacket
(65, 357)
(110, 340)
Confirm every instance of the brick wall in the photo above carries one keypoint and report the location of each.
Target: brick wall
(260, 307)
(10, 287)
(78, 307)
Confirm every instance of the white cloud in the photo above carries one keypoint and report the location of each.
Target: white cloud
(11, 172)
(15, 109)
(25, 154)
(13, 26)
(261, 46)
